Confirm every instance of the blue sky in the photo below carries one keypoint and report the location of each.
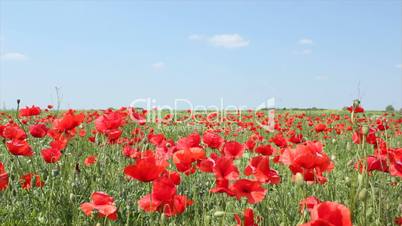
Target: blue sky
(109, 53)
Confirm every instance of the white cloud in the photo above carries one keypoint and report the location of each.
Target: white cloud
(15, 56)
(228, 41)
(321, 77)
(306, 41)
(158, 65)
(398, 66)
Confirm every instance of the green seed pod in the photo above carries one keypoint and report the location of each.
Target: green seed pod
(347, 180)
(299, 179)
(348, 146)
(365, 129)
(55, 172)
(356, 103)
(360, 179)
(219, 213)
(363, 194)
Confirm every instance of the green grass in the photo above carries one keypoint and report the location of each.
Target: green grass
(58, 202)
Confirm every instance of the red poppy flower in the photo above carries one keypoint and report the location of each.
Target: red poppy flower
(357, 109)
(90, 160)
(259, 168)
(110, 120)
(30, 111)
(191, 141)
(163, 197)
(252, 190)
(130, 152)
(176, 205)
(27, 183)
(19, 147)
(248, 218)
(233, 149)
(69, 121)
(156, 139)
(265, 150)
(329, 213)
(309, 203)
(13, 132)
(308, 159)
(279, 141)
(51, 155)
(3, 177)
(222, 186)
(146, 169)
(296, 138)
(103, 203)
(398, 221)
(225, 169)
(184, 159)
(320, 128)
(139, 117)
(212, 140)
(38, 130)
(395, 167)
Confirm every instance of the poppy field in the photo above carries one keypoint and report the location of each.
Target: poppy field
(118, 167)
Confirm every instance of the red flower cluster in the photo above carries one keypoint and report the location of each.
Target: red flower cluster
(103, 204)
(309, 159)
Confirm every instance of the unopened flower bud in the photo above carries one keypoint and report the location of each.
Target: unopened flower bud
(55, 172)
(219, 213)
(348, 146)
(365, 129)
(360, 179)
(363, 194)
(299, 179)
(356, 103)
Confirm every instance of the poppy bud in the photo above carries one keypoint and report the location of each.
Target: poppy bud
(333, 141)
(55, 172)
(98, 224)
(18, 101)
(347, 180)
(333, 157)
(348, 146)
(393, 180)
(219, 213)
(365, 129)
(360, 179)
(71, 196)
(299, 179)
(356, 103)
(363, 194)
(369, 211)
(41, 219)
